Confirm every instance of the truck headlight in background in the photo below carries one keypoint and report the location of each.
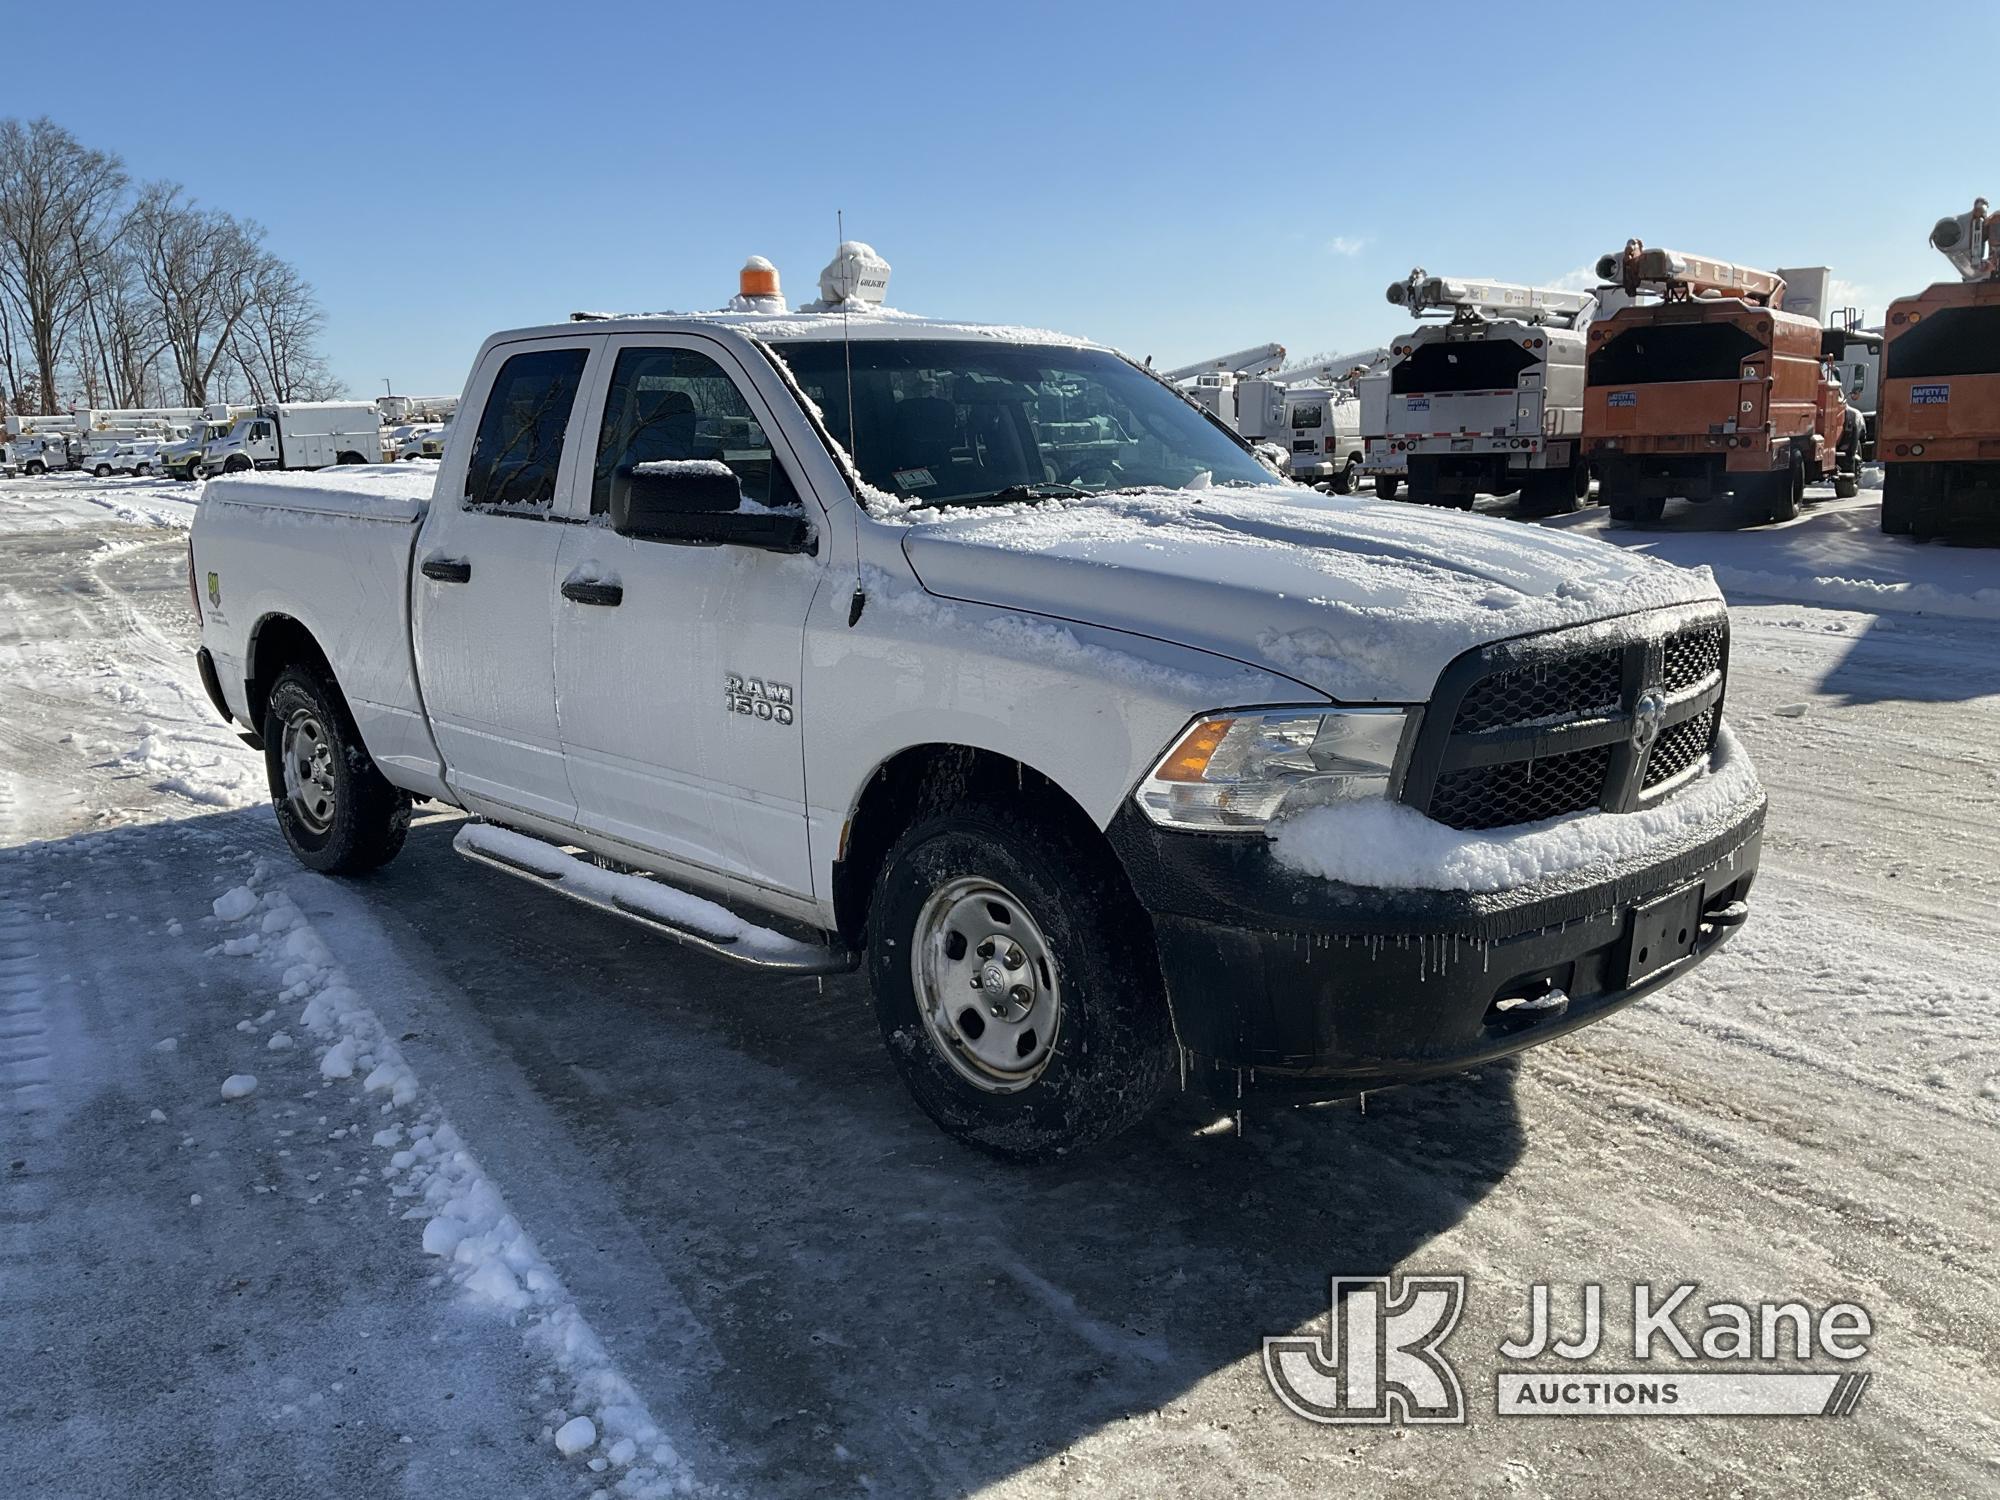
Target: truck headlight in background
(1240, 771)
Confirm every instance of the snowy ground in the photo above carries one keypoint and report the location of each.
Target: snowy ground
(513, 1163)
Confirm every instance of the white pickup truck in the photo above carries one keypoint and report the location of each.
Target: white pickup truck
(981, 658)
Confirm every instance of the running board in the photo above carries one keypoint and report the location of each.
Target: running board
(665, 909)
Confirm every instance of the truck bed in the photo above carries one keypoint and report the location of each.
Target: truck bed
(332, 550)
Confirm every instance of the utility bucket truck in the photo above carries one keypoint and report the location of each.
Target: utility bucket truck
(1711, 390)
(1938, 432)
(1490, 400)
(298, 435)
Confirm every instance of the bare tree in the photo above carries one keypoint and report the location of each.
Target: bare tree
(200, 268)
(275, 342)
(55, 195)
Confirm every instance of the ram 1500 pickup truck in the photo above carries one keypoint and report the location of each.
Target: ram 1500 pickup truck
(981, 658)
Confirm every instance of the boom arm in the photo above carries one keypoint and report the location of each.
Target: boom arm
(1971, 242)
(1422, 293)
(1259, 360)
(1677, 274)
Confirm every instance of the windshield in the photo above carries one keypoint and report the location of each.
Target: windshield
(939, 422)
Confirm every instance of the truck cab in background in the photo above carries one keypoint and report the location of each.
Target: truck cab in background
(1938, 434)
(297, 435)
(1490, 401)
(1712, 391)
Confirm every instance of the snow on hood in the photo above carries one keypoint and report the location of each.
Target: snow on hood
(1362, 599)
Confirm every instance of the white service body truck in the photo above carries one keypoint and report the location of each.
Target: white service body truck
(1320, 431)
(297, 435)
(976, 657)
(1490, 401)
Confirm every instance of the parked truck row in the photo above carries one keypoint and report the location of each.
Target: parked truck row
(986, 662)
(225, 438)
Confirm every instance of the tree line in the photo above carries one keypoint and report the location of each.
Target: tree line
(121, 295)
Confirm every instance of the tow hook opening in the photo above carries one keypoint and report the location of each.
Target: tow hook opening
(1527, 1003)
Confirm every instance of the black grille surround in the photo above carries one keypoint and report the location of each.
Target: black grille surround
(1544, 725)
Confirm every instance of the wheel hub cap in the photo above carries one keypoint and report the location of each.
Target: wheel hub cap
(986, 984)
(306, 754)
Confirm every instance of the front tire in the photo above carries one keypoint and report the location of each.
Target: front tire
(102, 471)
(336, 810)
(1016, 984)
(236, 463)
(1343, 482)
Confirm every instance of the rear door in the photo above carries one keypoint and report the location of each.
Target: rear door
(485, 582)
(677, 665)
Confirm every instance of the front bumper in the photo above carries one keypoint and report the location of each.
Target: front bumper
(1284, 981)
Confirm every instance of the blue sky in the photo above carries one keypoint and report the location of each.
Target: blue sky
(1177, 180)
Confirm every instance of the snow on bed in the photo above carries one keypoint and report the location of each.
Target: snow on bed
(386, 492)
(460, 1216)
(1390, 846)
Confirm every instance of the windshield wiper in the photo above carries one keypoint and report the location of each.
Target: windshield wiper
(1015, 494)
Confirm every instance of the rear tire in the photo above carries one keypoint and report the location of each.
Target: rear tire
(35, 468)
(1845, 486)
(336, 810)
(1080, 1046)
(1783, 492)
(1343, 482)
(1385, 486)
(1637, 510)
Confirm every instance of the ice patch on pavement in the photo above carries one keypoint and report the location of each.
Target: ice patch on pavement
(465, 1221)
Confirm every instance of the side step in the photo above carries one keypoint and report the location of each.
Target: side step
(665, 909)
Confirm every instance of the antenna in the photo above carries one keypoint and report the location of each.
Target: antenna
(860, 598)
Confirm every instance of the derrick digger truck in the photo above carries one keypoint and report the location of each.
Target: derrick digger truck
(1938, 428)
(1712, 390)
(1489, 401)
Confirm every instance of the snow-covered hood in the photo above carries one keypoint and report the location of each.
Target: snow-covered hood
(1362, 599)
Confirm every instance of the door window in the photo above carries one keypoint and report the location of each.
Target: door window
(518, 448)
(671, 405)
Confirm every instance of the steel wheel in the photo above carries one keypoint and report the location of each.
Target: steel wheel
(986, 985)
(307, 756)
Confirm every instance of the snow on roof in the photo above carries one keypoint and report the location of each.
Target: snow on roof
(876, 323)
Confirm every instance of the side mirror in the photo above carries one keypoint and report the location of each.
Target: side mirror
(698, 504)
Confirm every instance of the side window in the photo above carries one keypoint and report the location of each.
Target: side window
(518, 447)
(675, 404)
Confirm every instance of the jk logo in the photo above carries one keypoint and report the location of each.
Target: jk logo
(1379, 1361)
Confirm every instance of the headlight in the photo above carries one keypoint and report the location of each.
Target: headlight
(1240, 771)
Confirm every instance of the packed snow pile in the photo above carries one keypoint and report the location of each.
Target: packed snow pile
(1365, 601)
(464, 1221)
(383, 492)
(1388, 845)
(1835, 556)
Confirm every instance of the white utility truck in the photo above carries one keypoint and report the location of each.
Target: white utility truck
(1387, 463)
(1491, 400)
(977, 658)
(1321, 435)
(297, 435)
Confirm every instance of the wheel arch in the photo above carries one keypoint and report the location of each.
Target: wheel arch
(278, 641)
(922, 779)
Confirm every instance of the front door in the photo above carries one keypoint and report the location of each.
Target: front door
(485, 585)
(678, 666)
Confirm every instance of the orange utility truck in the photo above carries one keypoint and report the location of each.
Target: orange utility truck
(1938, 428)
(1710, 390)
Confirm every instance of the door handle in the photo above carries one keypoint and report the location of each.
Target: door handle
(585, 592)
(444, 570)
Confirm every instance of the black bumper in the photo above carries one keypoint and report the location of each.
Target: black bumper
(1286, 981)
